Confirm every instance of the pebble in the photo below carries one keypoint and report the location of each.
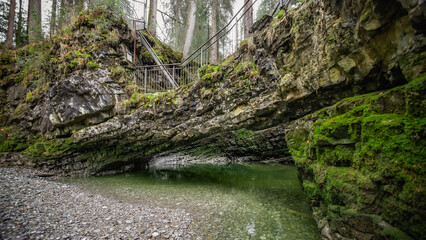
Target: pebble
(39, 208)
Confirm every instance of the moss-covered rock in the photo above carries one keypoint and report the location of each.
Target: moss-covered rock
(366, 154)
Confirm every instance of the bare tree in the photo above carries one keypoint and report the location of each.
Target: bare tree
(190, 26)
(152, 17)
(11, 22)
(214, 48)
(248, 17)
(34, 20)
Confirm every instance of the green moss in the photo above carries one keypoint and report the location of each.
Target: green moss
(29, 97)
(166, 54)
(11, 141)
(42, 148)
(311, 189)
(212, 75)
(345, 186)
(92, 65)
(280, 14)
(245, 141)
(244, 135)
(246, 69)
(207, 69)
(20, 109)
(341, 155)
(152, 99)
(366, 143)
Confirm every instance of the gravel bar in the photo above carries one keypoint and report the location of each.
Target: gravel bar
(32, 207)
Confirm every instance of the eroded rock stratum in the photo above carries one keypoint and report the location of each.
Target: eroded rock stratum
(280, 96)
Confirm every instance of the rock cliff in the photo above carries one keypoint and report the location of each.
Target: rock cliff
(361, 163)
(361, 160)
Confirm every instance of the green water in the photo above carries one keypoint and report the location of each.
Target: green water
(226, 201)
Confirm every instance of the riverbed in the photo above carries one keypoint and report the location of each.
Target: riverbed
(197, 202)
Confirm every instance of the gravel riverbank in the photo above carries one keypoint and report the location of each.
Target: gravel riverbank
(32, 207)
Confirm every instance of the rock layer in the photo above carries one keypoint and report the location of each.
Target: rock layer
(361, 163)
(291, 66)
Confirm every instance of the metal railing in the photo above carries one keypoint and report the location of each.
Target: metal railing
(227, 42)
(162, 68)
(132, 13)
(151, 77)
(154, 78)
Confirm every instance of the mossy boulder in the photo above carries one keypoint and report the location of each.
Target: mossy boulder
(366, 154)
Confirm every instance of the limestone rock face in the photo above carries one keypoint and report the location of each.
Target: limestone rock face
(86, 98)
(293, 65)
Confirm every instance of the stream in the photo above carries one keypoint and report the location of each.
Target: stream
(225, 201)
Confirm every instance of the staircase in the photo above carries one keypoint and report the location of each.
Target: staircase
(161, 77)
(157, 60)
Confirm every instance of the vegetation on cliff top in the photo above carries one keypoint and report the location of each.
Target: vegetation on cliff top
(76, 47)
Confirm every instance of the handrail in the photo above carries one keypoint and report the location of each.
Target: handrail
(170, 64)
(155, 40)
(161, 76)
(232, 26)
(157, 59)
(185, 60)
(132, 8)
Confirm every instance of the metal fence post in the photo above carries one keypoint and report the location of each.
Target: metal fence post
(144, 16)
(201, 57)
(173, 73)
(145, 78)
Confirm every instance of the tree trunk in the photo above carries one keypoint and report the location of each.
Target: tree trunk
(237, 41)
(152, 17)
(214, 48)
(63, 13)
(248, 18)
(18, 34)
(11, 22)
(34, 20)
(190, 26)
(53, 18)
